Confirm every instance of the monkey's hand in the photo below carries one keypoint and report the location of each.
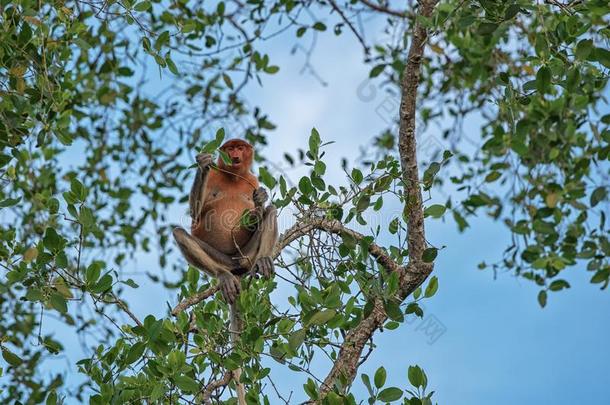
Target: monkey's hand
(230, 287)
(260, 196)
(204, 161)
(264, 266)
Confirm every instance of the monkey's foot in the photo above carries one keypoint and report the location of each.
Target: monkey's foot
(230, 287)
(259, 197)
(264, 266)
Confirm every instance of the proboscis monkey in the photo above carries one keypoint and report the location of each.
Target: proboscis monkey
(220, 244)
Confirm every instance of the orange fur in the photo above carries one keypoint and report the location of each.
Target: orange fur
(228, 194)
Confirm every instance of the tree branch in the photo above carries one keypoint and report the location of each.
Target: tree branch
(303, 227)
(194, 300)
(350, 25)
(407, 144)
(411, 276)
(383, 9)
(214, 385)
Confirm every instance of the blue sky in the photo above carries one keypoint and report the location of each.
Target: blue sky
(499, 347)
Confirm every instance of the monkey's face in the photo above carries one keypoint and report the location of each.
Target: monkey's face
(240, 154)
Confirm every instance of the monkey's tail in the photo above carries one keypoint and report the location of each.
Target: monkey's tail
(236, 326)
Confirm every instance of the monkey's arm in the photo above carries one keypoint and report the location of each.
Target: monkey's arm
(198, 190)
(259, 249)
(268, 237)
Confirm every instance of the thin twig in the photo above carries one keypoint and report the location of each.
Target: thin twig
(383, 9)
(214, 385)
(350, 25)
(194, 300)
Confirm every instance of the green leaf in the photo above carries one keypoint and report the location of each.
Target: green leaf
(78, 189)
(393, 227)
(363, 203)
(187, 384)
(103, 285)
(4, 159)
(432, 287)
(493, 176)
(390, 394)
(272, 69)
(86, 217)
(319, 168)
(266, 177)
(142, 6)
(310, 389)
(511, 11)
(543, 79)
(219, 136)
(321, 317)
(435, 211)
(583, 49)
(296, 339)
(135, 352)
(305, 186)
(11, 358)
(487, 28)
(392, 308)
(377, 70)
(59, 303)
(380, 377)
(602, 55)
(558, 285)
(600, 276)
(357, 176)
(319, 26)
(211, 146)
(429, 255)
(314, 142)
(52, 398)
(227, 79)
(9, 202)
(367, 383)
(414, 308)
(542, 298)
(52, 240)
(131, 283)
(416, 376)
(598, 195)
(171, 65)
(93, 272)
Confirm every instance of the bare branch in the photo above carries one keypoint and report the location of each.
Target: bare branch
(123, 306)
(383, 9)
(350, 25)
(214, 385)
(194, 300)
(303, 227)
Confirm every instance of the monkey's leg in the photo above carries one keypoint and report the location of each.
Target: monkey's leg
(259, 249)
(216, 264)
(209, 260)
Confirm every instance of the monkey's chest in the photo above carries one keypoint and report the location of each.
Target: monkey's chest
(220, 223)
